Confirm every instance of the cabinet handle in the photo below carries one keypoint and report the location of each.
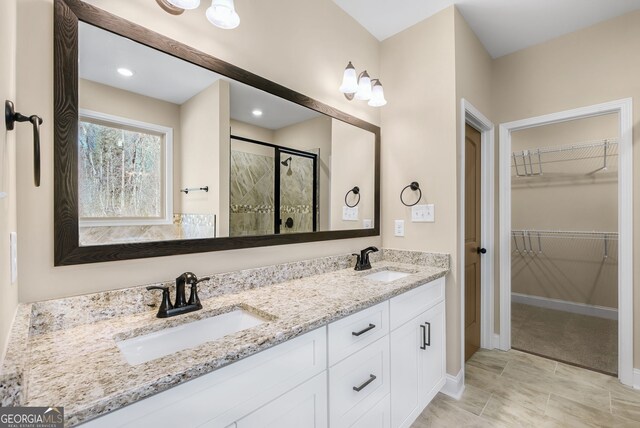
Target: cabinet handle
(364, 385)
(358, 333)
(426, 335)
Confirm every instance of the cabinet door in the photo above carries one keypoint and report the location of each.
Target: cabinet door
(302, 407)
(431, 371)
(417, 365)
(405, 385)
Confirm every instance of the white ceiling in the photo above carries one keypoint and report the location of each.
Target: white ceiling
(161, 76)
(503, 26)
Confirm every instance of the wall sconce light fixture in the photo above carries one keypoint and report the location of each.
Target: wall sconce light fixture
(362, 87)
(221, 13)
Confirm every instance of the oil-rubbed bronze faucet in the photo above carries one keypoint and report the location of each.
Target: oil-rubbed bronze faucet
(181, 305)
(362, 259)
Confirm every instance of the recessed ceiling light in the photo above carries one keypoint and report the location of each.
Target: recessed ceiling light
(257, 112)
(125, 72)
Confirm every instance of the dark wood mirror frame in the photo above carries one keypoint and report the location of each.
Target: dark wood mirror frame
(67, 248)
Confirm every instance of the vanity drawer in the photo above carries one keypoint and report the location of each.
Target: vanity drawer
(379, 416)
(357, 383)
(413, 303)
(356, 331)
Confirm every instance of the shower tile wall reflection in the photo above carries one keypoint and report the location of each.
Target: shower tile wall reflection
(296, 193)
(251, 198)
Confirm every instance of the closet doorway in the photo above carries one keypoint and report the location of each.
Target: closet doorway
(566, 289)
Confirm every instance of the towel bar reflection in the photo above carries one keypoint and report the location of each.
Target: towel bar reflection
(195, 189)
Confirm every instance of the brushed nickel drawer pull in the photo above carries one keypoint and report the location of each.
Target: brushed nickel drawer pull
(358, 333)
(364, 385)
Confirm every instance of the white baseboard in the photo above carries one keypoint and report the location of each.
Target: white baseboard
(454, 385)
(496, 341)
(563, 305)
(636, 379)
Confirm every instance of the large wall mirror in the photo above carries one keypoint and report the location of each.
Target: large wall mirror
(161, 149)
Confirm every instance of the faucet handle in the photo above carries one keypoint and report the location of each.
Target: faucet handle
(193, 296)
(165, 305)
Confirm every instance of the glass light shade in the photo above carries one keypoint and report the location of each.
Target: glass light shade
(222, 13)
(364, 87)
(349, 80)
(185, 4)
(377, 95)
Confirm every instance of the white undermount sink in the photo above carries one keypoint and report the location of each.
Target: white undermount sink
(387, 275)
(141, 349)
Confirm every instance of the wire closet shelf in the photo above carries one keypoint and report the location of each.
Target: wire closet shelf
(530, 242)
(529, 163)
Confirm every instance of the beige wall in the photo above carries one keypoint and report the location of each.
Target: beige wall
(205, 154)
(8, 291)
(309, 135)
(117, 102)
(255, 46)
(246, 130)
(590, 66)
(419, 144)
(567, 197)
(352, 160)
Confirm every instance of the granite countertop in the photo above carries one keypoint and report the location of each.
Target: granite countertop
(81, 368)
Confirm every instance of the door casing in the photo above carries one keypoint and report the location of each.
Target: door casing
(624, 109)
(471, 115)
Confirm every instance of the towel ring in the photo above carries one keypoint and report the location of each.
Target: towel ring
(413, 186)
(355, 191)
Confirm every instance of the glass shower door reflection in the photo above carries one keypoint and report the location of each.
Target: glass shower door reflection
(297, 194)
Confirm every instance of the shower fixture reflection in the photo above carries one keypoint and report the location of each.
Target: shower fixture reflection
(287, 162)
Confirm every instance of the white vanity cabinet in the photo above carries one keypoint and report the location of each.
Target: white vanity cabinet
(227, 395)
(417, 351)
(377, 368)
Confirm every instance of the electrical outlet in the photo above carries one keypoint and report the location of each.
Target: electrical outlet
(349, 214)
(399, 228)
(13, 254)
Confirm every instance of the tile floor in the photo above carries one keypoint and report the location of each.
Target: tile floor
(516, 389)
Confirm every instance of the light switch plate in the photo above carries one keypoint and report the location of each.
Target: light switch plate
(399, 228)
(349, 214)
(13, 254)
(367, 223)
(422, 213)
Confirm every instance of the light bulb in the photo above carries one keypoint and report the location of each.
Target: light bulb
(364, 87)
(349, 80)
(377, 95)
(125, 72)
(185, 4)
(222, 13)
